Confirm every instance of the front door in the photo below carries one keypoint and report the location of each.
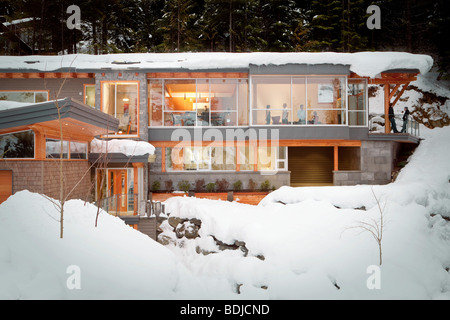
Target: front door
(118, 189)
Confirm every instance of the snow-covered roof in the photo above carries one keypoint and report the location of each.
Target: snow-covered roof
(123, 146)
(365, 64)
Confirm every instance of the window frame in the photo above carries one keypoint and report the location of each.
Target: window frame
(124, 82)
(34, 145)
(210, 82)
(27, 91)
(291, 110)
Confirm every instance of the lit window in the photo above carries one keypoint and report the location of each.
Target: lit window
(120, 99)
(89, 95)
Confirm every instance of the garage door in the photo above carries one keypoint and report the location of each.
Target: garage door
(311, 166)
(5, 185)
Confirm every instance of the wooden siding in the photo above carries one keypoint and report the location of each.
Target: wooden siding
(72, 88)
(5, 184)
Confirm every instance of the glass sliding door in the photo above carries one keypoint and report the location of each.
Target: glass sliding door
(120, 99)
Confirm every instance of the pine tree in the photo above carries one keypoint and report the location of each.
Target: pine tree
(279, 19)
(326, 24)
(179, 27)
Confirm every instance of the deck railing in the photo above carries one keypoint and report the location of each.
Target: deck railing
(377, 122)
(120, 204)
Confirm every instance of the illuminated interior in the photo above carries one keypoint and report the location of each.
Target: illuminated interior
(120, 100)
(201, 102)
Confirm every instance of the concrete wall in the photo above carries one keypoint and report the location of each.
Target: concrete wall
(377, 162)
(43, 177)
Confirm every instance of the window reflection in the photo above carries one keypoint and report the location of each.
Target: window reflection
(19, 145)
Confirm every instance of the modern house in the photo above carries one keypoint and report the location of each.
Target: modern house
(299, 119)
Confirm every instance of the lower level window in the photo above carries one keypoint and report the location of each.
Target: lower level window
(226, 158)
(17, 145)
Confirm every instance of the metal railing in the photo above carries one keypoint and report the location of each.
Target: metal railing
(377, 124)
(120, 204)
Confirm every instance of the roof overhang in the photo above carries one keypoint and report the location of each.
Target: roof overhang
(74, 117)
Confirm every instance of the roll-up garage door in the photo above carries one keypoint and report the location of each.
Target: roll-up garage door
(311, 166)
(5, 184)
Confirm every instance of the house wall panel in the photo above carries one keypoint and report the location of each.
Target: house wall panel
(71, 88)
(43, 177)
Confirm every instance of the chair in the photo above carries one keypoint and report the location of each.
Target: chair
(276, 120)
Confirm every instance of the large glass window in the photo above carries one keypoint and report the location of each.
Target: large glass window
(18, 145)
(326, 100)
(120, 99)
(357, 105)
(272, 158)
(198, 102)
(302, 100)
(299, 100)
(200, 158)
(226, 158)
(53, 149)
(78, 150)
(24, 96)
(271, 100)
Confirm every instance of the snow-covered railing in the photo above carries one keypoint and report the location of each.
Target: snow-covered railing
(377, 124)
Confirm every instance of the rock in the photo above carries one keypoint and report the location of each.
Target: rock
(175, 221)
(187, 230)
(165, 240)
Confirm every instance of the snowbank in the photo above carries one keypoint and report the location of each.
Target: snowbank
(124, 146)
(312, 245)
(114, 260)
(368, 64)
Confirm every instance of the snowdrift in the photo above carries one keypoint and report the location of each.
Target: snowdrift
(114, 260)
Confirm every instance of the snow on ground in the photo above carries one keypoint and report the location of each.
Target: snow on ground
(309, 243)
(303, 243)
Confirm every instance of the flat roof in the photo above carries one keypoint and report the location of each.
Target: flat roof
(364, 64)
(47, 112)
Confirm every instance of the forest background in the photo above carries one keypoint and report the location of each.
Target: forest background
(130, 26)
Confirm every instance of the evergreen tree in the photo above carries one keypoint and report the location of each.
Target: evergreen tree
(326, 25)
(279, 20)
(179, 27)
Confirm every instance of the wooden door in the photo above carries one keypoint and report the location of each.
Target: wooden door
(118, 188)
(5, 184)
(311, 166)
